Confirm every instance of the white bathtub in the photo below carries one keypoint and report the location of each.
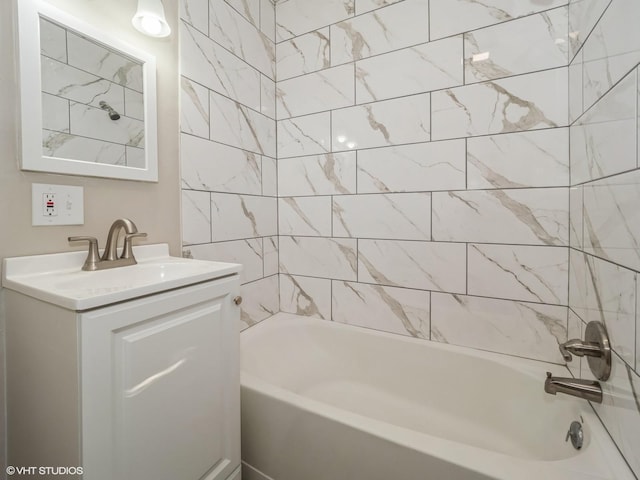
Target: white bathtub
(327, 401)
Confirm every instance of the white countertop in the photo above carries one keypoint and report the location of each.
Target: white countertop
(58, 278)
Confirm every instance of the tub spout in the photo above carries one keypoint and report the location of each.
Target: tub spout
(586, 389)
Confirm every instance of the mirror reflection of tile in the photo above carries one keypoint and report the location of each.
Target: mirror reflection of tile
(92, 100)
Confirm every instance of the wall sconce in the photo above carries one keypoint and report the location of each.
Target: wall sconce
(150, 19)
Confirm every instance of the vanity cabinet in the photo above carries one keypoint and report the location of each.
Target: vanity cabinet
(144, 389)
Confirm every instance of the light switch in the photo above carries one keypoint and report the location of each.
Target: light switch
(56, 205)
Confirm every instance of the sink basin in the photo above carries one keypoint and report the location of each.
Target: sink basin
(96, 283)
(58, 278)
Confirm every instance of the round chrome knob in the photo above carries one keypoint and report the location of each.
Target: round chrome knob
(237, 300)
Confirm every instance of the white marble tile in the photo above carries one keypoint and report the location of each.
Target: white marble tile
(416, 167)
(390, 122)
(269, 177)
(315, 92)
(398, 26)
(247, 252)
(194, 108)
(611, 219)
(525, 102)
(242, 216)
(196, 217)
(196, 13)
(449, 17)
(583, 16)
(522, 216)
(606, 292)
(55, 113)
(574, 330)
(395, 310)
(103, 62)
(578, 283)
(306, 296)
(530, 330)
(401, 216)
(537, 158)
(268, 19)
(240, 36)
(612, 49)
(234, 124)
(260, 300)
(306, 216)
(135, 157)
(575, 217)
(268, 97)
(91, 122)
(364, 6)
(319, 257)
(73, 84)
(304, 54)
(536, 42)
(329, 174)
(637, 324)
(215, 167)
(528, 273)
(53, 40)
(270, 250)
(64, 145)
(249, 9)
(133, 104)
(620, 410)
(207, 63)
(575, 88)
(295, 17)
(308, 135)
(603, 141)
(423, 68)
(423, 265)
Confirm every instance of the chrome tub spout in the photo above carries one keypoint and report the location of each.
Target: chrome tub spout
(586, 389)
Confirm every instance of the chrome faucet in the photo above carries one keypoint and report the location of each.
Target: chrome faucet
(110, 257)
(111, 250)
(579, 348)
(586, 389)
(597, 349)
(595, 346)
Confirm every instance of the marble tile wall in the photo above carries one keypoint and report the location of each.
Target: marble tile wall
(423, 168)
(398, 165)
(604, 258)
(228, 143)
(77, 75)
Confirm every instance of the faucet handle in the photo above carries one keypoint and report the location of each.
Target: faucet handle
(564, 352)
(596, 347)
(127, 249)
(580, 348)
(93, 256)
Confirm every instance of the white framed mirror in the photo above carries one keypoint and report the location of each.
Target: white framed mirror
(87, 100)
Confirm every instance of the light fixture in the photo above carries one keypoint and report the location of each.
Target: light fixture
(150, 19)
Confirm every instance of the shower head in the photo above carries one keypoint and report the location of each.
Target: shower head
(113, 115)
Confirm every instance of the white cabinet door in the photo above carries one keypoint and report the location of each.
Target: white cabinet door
(160, 386)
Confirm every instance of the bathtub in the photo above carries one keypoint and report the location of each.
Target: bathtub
(328, 401)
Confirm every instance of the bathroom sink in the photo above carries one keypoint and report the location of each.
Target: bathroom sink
(124, 278)
(58, 278)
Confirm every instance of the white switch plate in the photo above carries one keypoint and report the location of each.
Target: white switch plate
(56, 205)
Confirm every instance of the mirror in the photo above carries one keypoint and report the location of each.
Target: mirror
(88, 101)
